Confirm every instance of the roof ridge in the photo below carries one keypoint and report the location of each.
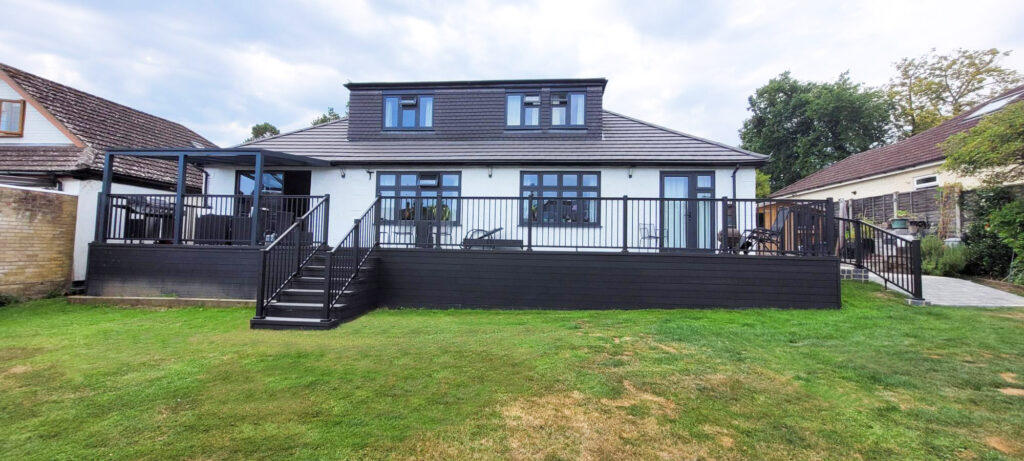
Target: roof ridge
(680, 133)
(7, 68)
(305, 128)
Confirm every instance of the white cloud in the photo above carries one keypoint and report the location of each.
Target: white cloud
(221, 68)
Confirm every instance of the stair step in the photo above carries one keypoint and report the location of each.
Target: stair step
(286, 323)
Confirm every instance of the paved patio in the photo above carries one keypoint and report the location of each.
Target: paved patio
(948, 291)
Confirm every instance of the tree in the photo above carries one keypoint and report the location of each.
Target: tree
(806, 126)
(762, 185)
(326, 117)
(263, 130)
(932, 88)
(993, 149)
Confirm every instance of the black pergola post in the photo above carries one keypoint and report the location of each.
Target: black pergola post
(256, 192)
(101, 211)
(179, 199)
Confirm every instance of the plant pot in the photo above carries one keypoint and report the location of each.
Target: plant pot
(899, 223)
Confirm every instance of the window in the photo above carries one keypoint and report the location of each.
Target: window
(522, 109)
(926, 182)
(568, 109)
(12, 117)
(273, 182)
(561, 197)
(408, 112)
(408, 196)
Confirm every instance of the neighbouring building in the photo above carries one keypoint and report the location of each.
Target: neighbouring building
(54, 137)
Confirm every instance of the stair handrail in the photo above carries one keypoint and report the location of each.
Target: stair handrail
(280, 263)
(360, 241)
(900, 263)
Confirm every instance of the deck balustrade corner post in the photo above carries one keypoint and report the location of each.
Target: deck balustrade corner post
(830, 226)
(625, 224)
(327, 218)
(915, 264)
(261, 287)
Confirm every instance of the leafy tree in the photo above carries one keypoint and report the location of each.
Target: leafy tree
(763, 186)
(932, 88)
(326, 117)
(806, 126)
(263, 130)
(993, 149)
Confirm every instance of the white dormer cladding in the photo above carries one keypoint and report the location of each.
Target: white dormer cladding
(38, 130)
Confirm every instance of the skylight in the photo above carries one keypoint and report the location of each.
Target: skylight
(994, 105)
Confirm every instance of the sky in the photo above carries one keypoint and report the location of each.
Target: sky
(220, 67)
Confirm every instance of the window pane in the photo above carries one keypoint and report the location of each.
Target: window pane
(387, 193)
(703, 181)
(408, 180)
(532, 116)
(578, 106)
(529, 180)
(408, 118)
(10, 116)
(569, 180)
(387, 179)
(568, 193)
(426, 111)
(551, 180)
(515, 104)
(590, 180)
(428, 180)
(390, 112)
(558, 115)
(590, 194)
(450, 180)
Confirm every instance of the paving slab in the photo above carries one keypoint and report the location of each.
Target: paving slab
(949, 291)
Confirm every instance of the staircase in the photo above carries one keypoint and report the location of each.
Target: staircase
(300, 304)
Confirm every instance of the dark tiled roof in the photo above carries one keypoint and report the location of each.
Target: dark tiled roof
(919, 149)
(625, 141)
(100, 124)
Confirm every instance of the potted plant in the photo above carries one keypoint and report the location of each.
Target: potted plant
(901, 221)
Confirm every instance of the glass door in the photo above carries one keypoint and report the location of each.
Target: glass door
(687, 223)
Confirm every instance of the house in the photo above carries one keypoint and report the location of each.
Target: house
(509, 193)
(53, 136)
(912, 164)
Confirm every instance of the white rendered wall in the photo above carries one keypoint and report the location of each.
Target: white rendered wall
(353, 193)
(38, 130)
(88, 191)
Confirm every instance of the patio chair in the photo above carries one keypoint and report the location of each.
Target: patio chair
(763, 238)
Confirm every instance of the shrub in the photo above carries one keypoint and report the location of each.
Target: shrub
(1008, 223)
(6, 299)
(990, 254)
(939, 259)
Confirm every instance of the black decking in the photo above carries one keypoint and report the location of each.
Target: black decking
(595, 280)
(188, 271)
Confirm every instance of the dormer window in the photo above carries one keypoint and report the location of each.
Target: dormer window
(522, 110)
(12, 118)
(408, 112)
(568, 109)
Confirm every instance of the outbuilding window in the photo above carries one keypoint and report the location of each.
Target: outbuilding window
(926, 182)
(12, 117)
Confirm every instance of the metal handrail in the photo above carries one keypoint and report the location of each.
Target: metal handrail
(360, 241)
(897, 261)
(283, 259)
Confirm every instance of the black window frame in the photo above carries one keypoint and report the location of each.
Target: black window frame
(539, 207)
(420, 212)
(418, 95)
(240, 173)
(522, 109)
(568, 109)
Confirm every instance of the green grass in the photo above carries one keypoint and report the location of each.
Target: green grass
(877, 379)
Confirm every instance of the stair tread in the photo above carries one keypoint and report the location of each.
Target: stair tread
(294, 304)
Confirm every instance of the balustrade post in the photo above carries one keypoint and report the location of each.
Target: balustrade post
(355, 247)
(915, 267)
(327, 220)
(529, 223)
(858, 245)
(437, 223)
(625, 224)
(829, 228)
(298, 245)
(261, 288)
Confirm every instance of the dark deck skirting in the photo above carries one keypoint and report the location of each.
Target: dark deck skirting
(188, 271)
(591, 280)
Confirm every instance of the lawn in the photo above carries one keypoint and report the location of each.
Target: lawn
(877, 379)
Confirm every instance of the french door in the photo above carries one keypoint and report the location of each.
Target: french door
(687, 224)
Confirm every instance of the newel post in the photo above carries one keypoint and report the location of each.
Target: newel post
(529, 223)
(355, 247)
(915, 264)
(625, 224)
(831, 226)
(858, 244)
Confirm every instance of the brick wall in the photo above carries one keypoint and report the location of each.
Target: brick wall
(37, 237)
